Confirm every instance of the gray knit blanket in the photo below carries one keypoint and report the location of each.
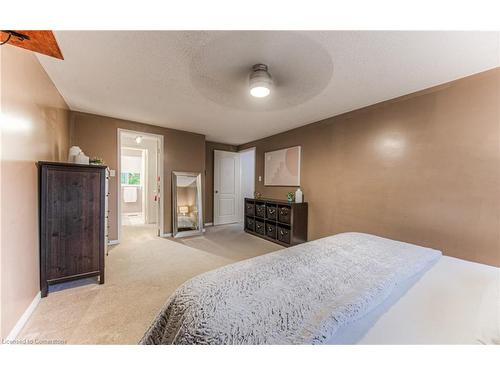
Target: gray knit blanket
(299, 295)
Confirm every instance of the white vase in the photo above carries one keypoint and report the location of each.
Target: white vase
(298, 196)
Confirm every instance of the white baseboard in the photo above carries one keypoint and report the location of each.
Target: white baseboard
(166, 235)
(113, 242)
(209, 224)
(24, 318)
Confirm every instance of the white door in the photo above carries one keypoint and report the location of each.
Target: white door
(157, 197)
(226, 187)
(247, 180)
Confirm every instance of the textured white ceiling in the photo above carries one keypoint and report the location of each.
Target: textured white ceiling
(197, 81)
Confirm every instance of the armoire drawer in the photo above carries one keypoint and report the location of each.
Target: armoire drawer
(283, 234)
(260, 210)
(271, 230)
(284, 214)
(271, 211)
(249, 223)
(260, 227)
(250, 208)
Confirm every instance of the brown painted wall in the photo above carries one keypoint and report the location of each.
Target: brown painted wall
(97, 136)
(34, 126)
(423, 169)
(209, 176)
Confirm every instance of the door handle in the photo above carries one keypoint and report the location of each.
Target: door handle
(216, 191)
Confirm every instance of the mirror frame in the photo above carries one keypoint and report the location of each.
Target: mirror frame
(175, 229)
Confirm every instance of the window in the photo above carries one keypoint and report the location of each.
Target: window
(130, 178)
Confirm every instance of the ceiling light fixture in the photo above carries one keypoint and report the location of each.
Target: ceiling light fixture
(138, 139)
(260, 81)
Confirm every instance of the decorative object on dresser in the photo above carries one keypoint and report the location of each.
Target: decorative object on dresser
(279, 221)
(96, 160)
(299, 196)
(72, 222)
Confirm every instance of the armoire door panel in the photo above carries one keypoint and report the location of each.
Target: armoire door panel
(72, 221)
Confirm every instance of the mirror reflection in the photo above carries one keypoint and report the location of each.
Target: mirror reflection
(186, 191)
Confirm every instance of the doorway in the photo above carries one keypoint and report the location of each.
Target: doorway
(234, 180)
(140, 178)
(247, 178)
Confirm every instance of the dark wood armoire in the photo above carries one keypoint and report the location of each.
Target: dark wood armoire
(72, 222)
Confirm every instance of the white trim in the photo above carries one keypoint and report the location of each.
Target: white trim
(248, 149)
(24, 318)
(113, 242)
(241, 203)
(209, 224)
(166, 235)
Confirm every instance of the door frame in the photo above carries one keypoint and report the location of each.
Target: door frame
(159, 167)
(238, 191)
(254, 151)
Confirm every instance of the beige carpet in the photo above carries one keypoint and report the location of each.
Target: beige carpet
(141, 273)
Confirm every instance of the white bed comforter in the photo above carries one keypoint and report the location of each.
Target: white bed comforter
(299, 295)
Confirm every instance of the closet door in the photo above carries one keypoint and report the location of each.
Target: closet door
(226, 187)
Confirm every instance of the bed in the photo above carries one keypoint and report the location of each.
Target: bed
(343, 289)
(454, 302)
(187, 222)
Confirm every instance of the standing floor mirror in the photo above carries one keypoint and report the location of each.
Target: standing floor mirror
(186, 203)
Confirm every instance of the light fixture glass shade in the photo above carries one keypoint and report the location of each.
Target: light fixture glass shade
(260, 81)
(183, 210)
